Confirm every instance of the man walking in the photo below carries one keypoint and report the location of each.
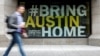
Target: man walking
(15, 24)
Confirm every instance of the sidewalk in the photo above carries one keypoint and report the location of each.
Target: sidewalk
(55, 50)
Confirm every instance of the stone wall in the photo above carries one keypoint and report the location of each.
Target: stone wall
(9, 6)
(94, 39)
(2, 27)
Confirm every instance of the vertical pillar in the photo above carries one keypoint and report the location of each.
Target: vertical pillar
(6, 8)
(94, 39)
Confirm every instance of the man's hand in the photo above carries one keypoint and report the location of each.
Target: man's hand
(22, 25)
(25, 35)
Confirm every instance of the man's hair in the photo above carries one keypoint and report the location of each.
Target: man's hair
(20, 6)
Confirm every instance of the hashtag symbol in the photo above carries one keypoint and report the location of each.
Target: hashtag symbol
(33, 10)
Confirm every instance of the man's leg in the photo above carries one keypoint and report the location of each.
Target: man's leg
(19, 42)
(9, 48)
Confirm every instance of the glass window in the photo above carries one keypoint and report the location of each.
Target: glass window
(57, 19)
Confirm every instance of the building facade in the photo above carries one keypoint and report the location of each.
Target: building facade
(9, 6)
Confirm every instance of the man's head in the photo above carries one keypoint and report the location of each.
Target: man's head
(21, 9)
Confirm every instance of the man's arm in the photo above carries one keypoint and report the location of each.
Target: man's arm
(12, 21)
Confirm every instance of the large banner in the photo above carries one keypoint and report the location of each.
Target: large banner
(58, 20)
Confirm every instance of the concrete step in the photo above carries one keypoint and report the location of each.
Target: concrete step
(94, 40)
(55, 50)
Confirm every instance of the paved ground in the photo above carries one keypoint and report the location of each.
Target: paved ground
(55, 50)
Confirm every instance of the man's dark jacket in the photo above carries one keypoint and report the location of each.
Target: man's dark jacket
(12, 24)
